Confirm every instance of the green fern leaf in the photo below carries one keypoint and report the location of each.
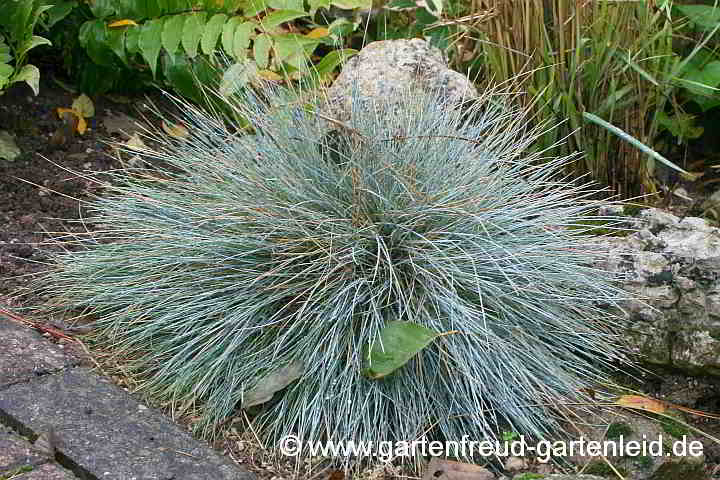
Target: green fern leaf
(213, 29)
(192, 33)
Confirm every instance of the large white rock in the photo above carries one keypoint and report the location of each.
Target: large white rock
(385, 70)
(674, 264)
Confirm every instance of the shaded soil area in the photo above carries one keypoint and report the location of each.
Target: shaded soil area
(39, 194)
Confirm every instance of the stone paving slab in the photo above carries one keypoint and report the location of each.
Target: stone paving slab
(25, 354)
(48, 471)
(17, 456)
(15, 452)
(106, 434)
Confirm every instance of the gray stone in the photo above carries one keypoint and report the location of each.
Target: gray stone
(48, 471)
(107, 433)
(662, 440)
(385, 70)
(572, 476)
(16, 452)
(673, 264)
(25, 354)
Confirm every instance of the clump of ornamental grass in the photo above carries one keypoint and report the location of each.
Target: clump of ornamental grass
(286, 249)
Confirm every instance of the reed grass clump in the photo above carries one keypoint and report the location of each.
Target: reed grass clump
(295, 244)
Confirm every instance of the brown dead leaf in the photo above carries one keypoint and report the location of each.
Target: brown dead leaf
(120, 123)
(175, 130)
(136, 143)
(639, 402)
(336, 475)
(78, 122)
(318, 32)
(439, 469)
(66, 131)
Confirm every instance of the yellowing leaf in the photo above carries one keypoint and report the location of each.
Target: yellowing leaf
(81, 126)
(84, 106)
(318, 32)
(639, 402)
(270, 75)
(175, 130)
(122, 23)
(136, 143)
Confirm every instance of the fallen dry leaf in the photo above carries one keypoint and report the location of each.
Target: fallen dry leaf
(638, 402)
(439, 469)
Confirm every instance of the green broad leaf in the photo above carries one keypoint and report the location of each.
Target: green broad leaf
(398, 343)
(286, 4)
(341, 28)
(213, 29)
(706, 103)
(103, 8)
(271, 383)
(132, 39)
(289, 45)
(241, 40)
(6, 72)
(30, 75)
(192, 33)
(33, 42)
(150, 42)
(133, 9)
(399, 5)
(352, 4)
(172, 33)
(423, 18)
(8, 148)
(680, 125)
(332, 60)
(703, 17)
(178, 72)
(19, 14)
(254, 7)
(228, 35)
(279, 17)
(59, 11)
(261, 50)
(5, 55)
(434, 7)
(298, 62)
(315, 4)
(702, 80)
(152, 8)
(116, 42)
(232, 6)
(93, 37)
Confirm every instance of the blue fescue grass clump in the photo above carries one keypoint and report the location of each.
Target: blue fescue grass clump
(297, 243)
